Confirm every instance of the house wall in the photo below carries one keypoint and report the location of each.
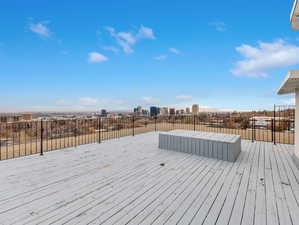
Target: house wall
(296, 152)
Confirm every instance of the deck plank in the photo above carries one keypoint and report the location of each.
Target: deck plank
(260, 214)
(285, 179)
(225, 214)
(250, 202)
(239, 204)
(271, 204)
(283, 212)
(218, 205)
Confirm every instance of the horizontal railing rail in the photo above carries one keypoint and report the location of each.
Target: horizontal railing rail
(37, 137)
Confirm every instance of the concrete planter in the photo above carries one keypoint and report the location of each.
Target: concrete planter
(213, 145)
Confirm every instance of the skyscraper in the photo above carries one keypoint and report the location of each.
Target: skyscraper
(172, 111)
(138, 110)
(104, 112)
(195, 109)
(154, 111)
(188, 110)
(164, 111)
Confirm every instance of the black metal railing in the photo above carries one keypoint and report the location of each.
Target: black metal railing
(37, 137)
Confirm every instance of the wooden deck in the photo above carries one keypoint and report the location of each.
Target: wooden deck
(131, 181)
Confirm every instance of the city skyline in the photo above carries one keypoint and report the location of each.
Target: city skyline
(130, 57)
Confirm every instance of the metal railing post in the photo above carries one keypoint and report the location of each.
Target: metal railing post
(272, 131)
(99, 126)
(252, 133)
(133, 123)
(41, 137)
(274, 123)
(254, 130)
(76, 129)
(173, 118)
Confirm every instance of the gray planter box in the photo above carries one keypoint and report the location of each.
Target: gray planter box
(213, 145)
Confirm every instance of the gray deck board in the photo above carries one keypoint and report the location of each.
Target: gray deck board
(283, 212)
(224, 215)
(271, 204)
(236, 214)
(122, 182)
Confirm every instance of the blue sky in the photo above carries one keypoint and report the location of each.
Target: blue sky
(86, 55)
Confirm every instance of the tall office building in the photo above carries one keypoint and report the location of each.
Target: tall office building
(104, 112)
(138, 110)
(195, 109)
(164, 111)
(154, 111)
(188, 111)
(172, 111)
(144, 112)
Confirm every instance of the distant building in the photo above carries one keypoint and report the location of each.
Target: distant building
(182, 111)
(188, 111)
(111, 116)
(26, 116)
(138, 111)
(172, 111)
(144, 112)
(164, 111)
(177, 112)
(10, 118)
(154, 111)
(195, 109)
(266, 122)
(104, 112)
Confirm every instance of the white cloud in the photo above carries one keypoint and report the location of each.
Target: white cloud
(95, 57)
(111, 30)
(111, 48)
(265, 57)
(40, 28)
(150, 100)
(160, 57)
(219, 26)
(145, 32)
(127, 37)
(87, 101)
(174, 50)
(126, 40)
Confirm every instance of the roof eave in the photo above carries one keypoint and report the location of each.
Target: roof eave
(290, 83)
(295, 15)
